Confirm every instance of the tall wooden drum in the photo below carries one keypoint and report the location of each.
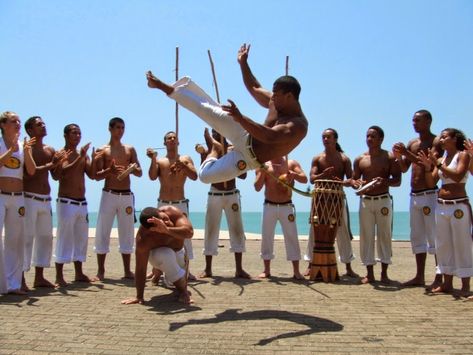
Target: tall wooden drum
(327, 203)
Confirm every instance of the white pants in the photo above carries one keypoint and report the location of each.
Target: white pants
(228, 201)
(171, 262)
(12, 251)
(183, 205)
(422, 221)
(187, 94)
(454, 245)
(375, 221)
(343, 238)
(286, 215)
(72, 232)
(111, 205)
(38, 231)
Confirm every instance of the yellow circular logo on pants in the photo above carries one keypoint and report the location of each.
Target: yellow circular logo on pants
(291, 218)
(21, 211)
(458, 214)
(426, 210)
(13, 163)
(235, 207)
(129, 210)
(241, 164)
(384, 211)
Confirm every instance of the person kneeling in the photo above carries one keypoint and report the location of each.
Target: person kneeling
(160, 240)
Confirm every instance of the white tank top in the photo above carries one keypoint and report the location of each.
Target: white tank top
(453, 165)
(13, 167)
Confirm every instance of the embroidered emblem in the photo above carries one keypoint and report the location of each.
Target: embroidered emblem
(291, 218)
(426, 210)
(458, 214)
(13, 163)
(384, 211)
(21, 211)
(241, 165)
(235, 207)
(129, 210)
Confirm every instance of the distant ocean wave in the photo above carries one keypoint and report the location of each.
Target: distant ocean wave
(252, 223)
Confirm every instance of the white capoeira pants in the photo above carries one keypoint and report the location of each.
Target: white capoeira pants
(183, 205)
(228, 201)
(286, 215)
(343, 239)
(120, 204)
(38, 231)
(454, 244)
(422, 221)
(375, 221)
(187, 94)
(12, 251)
(171, 262)
(72, 232)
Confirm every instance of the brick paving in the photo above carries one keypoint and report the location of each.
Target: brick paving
(234, 316)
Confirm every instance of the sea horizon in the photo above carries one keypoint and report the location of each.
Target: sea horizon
(252, 223)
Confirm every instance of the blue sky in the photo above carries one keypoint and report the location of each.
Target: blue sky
(359, 63)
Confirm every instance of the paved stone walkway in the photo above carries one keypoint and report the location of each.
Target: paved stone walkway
(233, 316)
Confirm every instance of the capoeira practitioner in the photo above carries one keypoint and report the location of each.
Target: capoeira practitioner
(115, 165)
(160, 240)
(73, 223)
(375, 209)
(279, 207)
(14, 156)
(253, 143)
(38, 212)
(172, 172)
(453, 212)
(423, 199)
(333, 164)
(223, 196)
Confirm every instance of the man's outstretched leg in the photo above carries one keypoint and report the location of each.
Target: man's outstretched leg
(155, 83)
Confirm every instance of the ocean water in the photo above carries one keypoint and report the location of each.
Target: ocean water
(252, 223)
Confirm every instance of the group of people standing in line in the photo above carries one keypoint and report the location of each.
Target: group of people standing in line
(440, 218)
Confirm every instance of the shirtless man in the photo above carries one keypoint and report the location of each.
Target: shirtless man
(423, 198)
(14, 157)
(160, 240)
(254, 143)
(333, 164)
(222, 196)
(38, 211)
(73, 223)
(117, 198)
(172, 172)
(278, 206)
(375, 208)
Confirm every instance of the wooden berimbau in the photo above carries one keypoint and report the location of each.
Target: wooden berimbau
(325, 214)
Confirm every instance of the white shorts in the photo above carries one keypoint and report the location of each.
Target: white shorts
(375, 221)
(171, 262)
(12, 212)
(183, 205)
(454, 245)
(189, 95)
(38, 230)
(228, 201)
(343, 239)
(72, 231)
(113, 204)
(286, 215)
(422, 221)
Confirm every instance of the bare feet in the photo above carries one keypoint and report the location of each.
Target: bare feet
(129, 275)
(416, 281)
(133, 301)
(205, 273)
(99, 277)
(469, 298)
(191, 277)
(42, 283)
(24, 287)
(352, 274)
(242, 274)
(18, 292)
(367, 280)
(442, 289)
(60, 282)
(264, 275)
(434, 285)
(298, 276)
(185, 298)
(82, 278)
(386, 280)
(307, 272)
(149, 275)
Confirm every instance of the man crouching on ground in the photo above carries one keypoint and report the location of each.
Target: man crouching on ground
(160, 239)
